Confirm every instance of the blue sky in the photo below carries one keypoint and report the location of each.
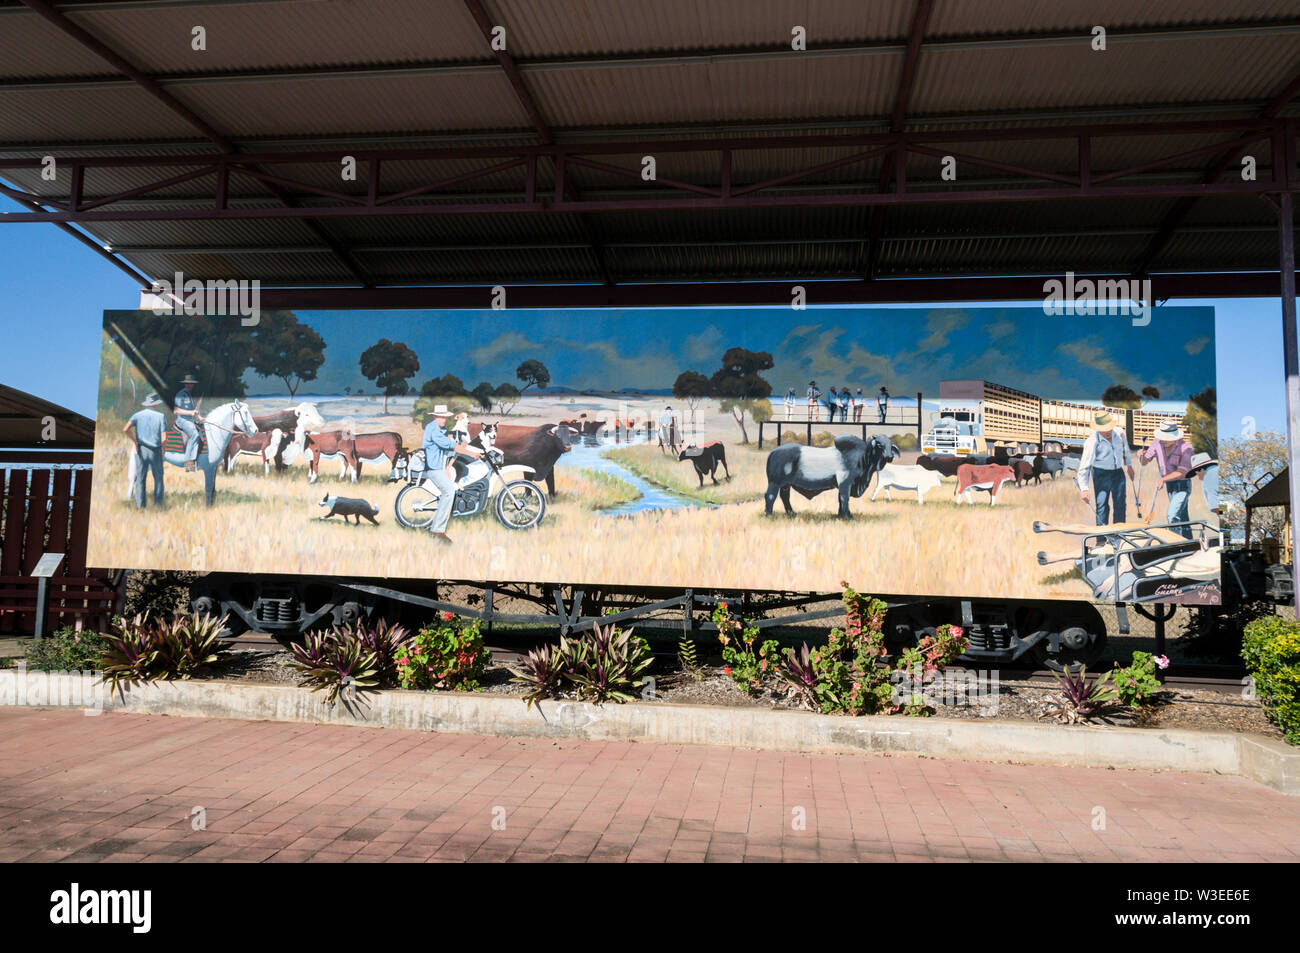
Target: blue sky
(908, 350)
(53, 292)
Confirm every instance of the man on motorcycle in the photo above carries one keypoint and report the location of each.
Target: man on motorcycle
(439, 450)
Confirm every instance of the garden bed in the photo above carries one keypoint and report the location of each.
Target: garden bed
(1194, 709)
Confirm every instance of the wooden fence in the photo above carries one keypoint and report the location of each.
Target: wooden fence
(45, 508)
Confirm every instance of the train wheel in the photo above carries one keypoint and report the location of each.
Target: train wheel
(520, 505)
(1080, 641)
(414, 506)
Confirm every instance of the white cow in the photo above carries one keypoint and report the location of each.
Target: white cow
(896, 476)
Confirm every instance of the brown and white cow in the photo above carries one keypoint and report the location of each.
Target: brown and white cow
(353, 450)
(989, 477)
(294, 422)
(264, 444)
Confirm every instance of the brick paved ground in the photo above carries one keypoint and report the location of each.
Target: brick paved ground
(121, 787)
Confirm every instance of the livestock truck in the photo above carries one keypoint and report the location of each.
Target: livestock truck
(602, 461)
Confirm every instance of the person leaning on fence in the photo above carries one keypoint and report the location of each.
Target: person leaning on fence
(1173, 455)
(1106, 456)
(844, 404)
(859, 401)
(148, 425)
(789, 404)
(882, 404)
(814, 399)
(186, 414)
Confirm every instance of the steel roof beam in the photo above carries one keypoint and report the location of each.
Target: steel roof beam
(902, 99)
(774, 293)
(150, 86)
(526, 101)
(1174, 220)
(702, 56)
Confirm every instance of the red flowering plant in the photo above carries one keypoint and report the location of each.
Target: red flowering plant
(448, 655)
(747, 666)
(920, 665)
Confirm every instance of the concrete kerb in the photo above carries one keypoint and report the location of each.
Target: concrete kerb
(1265, 760)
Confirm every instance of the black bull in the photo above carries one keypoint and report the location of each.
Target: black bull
(848, 467)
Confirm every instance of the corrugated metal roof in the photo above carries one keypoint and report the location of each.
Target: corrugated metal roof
(349, 75)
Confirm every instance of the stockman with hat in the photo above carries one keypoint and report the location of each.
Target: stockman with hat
(439, 449)
(1106, 456)
(148, 425)
(186, 414)
(1173, 455)
(1206, 469)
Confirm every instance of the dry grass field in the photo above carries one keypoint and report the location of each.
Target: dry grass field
(264, 523)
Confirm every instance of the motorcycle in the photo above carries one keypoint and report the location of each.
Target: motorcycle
(517, 502)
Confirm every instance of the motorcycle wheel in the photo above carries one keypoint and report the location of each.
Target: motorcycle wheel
(414, 506)
(520, 505)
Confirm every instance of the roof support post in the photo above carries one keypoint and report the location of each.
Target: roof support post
(1291, 364)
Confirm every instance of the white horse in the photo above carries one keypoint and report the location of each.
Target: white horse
(218, 426)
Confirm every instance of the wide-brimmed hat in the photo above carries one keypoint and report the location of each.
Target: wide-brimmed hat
(1168, 431)
(1202, 460)
(1103, 421)
(189, 379)
(440, 410)
(152, 400)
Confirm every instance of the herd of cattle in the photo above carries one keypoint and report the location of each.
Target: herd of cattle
(299, 433)
(852, 462)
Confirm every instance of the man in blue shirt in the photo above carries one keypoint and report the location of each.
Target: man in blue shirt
(438, 450)
(1105, 458)
(186, 414)
(148, 437)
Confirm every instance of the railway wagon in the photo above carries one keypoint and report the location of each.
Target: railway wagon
(475, 472)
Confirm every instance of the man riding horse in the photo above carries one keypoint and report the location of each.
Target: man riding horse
(186, 414)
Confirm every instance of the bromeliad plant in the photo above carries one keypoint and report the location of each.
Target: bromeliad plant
(746, 666)
(606, 664)
(337, 663)
(448, 655)
(387, 642)
(541, 673)
(1078, 699)
(142, 650)
(602, 665)
(1137, 682)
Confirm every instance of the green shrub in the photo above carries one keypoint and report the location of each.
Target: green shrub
(447, 655)
(747, 666)
(1271, 651)
(1136, 683)
(67, 651)
(142, 650)
(851, 673)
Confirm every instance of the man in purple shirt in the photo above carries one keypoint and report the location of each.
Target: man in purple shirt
(1173, 455)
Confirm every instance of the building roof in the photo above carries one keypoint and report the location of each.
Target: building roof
(772, 163)
(1276, 492)
(26, 421)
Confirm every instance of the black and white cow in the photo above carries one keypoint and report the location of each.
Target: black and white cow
(706, 460)
(847, 467)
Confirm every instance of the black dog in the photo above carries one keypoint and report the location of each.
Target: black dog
(346, 506)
